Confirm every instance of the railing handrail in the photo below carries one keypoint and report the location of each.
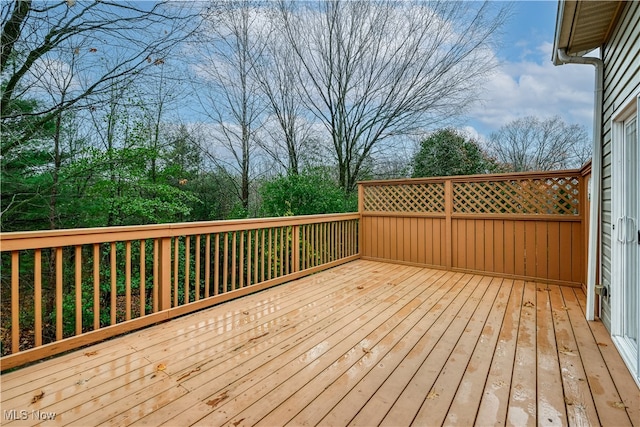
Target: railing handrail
(23, 240)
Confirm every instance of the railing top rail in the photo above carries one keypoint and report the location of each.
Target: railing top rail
(23, 240)
(480, 178)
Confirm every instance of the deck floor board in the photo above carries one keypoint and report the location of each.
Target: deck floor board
(365, 343)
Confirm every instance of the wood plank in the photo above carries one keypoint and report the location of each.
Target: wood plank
(148, 339)
(421, 241)
(541, 248)
(578, 399)
(112, 368)
(509, 247)
(498, 246)
(393, 236)
(576, 253)
(315, 399)
(519, 249)
(625, 385)
(551, 409)
(362, 343)
(415, 392)
(531, 253)
(488, 252)
(379, 404)
(522, 398)
(435, 407)
(479, 244)
(429, 246)
(280, 362)
(608, 403)
(554, 255)
(565, 251)
(493, 406)
(470, 245)
(289, 397)
(466, 401)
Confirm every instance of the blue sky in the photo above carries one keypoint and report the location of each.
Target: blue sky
(526, 82)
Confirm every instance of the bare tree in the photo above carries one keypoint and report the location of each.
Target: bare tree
(138, 34)
(533, 144)
(374, 70)
(230, 96)
(277, 70)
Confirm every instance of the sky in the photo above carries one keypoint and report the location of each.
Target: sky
(526, 82)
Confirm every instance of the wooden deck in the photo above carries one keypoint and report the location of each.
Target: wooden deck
(365, 343)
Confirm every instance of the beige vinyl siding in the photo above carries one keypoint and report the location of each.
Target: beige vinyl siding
(621, 55)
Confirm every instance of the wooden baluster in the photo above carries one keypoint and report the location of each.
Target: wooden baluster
(96, 286)
(207, 265)
(249, 258)
(256, 247)
(262, 266)
(114, 289)
(295, 250)
(216, 267)
(234, 259)
(187, 267)
(176, 264)
(127, 280)
(225, 267)
(241, 261)
(281, 259)
(37, 281)
(78, 280)
(143, 280)
(15, 302)
(197, 278)
(162, 271)
(270, 265)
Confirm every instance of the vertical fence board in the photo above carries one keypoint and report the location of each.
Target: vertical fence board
(520, 255)
(498, 246)
(509, 247)
(542, 249)
(487, 251)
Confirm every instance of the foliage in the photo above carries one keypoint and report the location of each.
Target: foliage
(447, 152)
(313, 191)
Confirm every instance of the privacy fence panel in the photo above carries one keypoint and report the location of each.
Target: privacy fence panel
(527, 225)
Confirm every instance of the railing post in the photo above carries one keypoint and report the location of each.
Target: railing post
(295, 247)
(164, 273)
(360, 212)
(448, 209)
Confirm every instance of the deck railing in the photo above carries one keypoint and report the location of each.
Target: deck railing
(69, 288)
(531, 226)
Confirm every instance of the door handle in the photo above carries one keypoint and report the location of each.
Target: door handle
(620, 236)
(633, 227)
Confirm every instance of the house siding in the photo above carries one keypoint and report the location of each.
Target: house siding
(621, 57)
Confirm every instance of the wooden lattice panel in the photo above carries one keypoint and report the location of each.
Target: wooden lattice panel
(542, 196)
(425, 197)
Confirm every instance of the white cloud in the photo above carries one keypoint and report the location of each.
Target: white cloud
(526, 87)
